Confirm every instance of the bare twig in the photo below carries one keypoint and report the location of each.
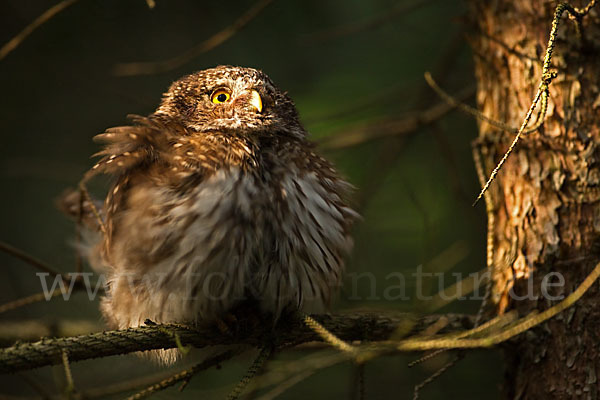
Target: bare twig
(86, 196)
(184, 375)
(401, 9)
(435, 375)
(398, 127)
(149, 68)
(256, 366)
(362, 387)
(470, 110)
(70, 388)
(37, 297)
(491, 226)
(509, 49)
(453, 292)
(25, 301)
(327, 336)
(493, 325)
(48, 14)
(29, 259)
(393, 146)
(295, 372)
(125, 386)
(520, 132)
(517, 328)
(581, 12)
(287, 384)
(78, 238)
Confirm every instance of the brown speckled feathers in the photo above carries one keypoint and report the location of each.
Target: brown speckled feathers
(218, 197)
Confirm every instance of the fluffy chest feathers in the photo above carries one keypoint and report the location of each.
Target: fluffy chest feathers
(198, 224)
(217, 198)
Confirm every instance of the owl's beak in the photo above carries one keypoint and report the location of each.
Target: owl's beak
(255, 100)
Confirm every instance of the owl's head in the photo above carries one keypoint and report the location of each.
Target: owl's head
(232, 100)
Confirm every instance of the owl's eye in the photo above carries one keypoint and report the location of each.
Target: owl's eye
(220, 96)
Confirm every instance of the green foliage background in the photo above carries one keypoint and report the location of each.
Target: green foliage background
(58, 90)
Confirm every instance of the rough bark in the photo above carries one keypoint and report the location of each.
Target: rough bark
(546, 197)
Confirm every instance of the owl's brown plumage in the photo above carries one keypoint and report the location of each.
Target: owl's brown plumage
(215, 202)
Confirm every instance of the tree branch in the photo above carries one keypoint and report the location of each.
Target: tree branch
(155, 67)
(396, 127)
(47, 15)
(289, 332)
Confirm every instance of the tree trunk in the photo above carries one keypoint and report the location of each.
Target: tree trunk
(546, 208)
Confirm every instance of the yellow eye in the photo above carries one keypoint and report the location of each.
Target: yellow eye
(220, 96)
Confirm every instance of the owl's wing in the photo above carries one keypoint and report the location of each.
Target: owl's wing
(127, 147)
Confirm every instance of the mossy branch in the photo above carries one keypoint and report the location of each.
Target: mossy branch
(348, 327)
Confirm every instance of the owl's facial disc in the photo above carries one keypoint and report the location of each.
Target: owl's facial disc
(232, 100)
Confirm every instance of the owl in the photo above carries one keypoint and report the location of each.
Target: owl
(218, 198)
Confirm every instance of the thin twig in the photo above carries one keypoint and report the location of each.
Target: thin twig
(38, 297)
(435, 375)
(509, 49)
(29, 259)
(183, 375)
(401, 9)
(70, 388)
(48, 14)
(582, 12)
(125, 386)
(398, 127)
(286, 384)
(362, 388)
(25, 301)
(519, 327)
(390, 152)
(426, 357)
(86, 195)
(327, 335)
(149, 68)
(286, 376)
(491, 226)
(457, 103)
(256, 366)
(458, 290)
(512, 145)
(78, 239)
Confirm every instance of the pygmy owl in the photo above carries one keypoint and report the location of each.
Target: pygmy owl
(218, 197)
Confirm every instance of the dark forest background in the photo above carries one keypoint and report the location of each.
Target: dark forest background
(350, 66)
